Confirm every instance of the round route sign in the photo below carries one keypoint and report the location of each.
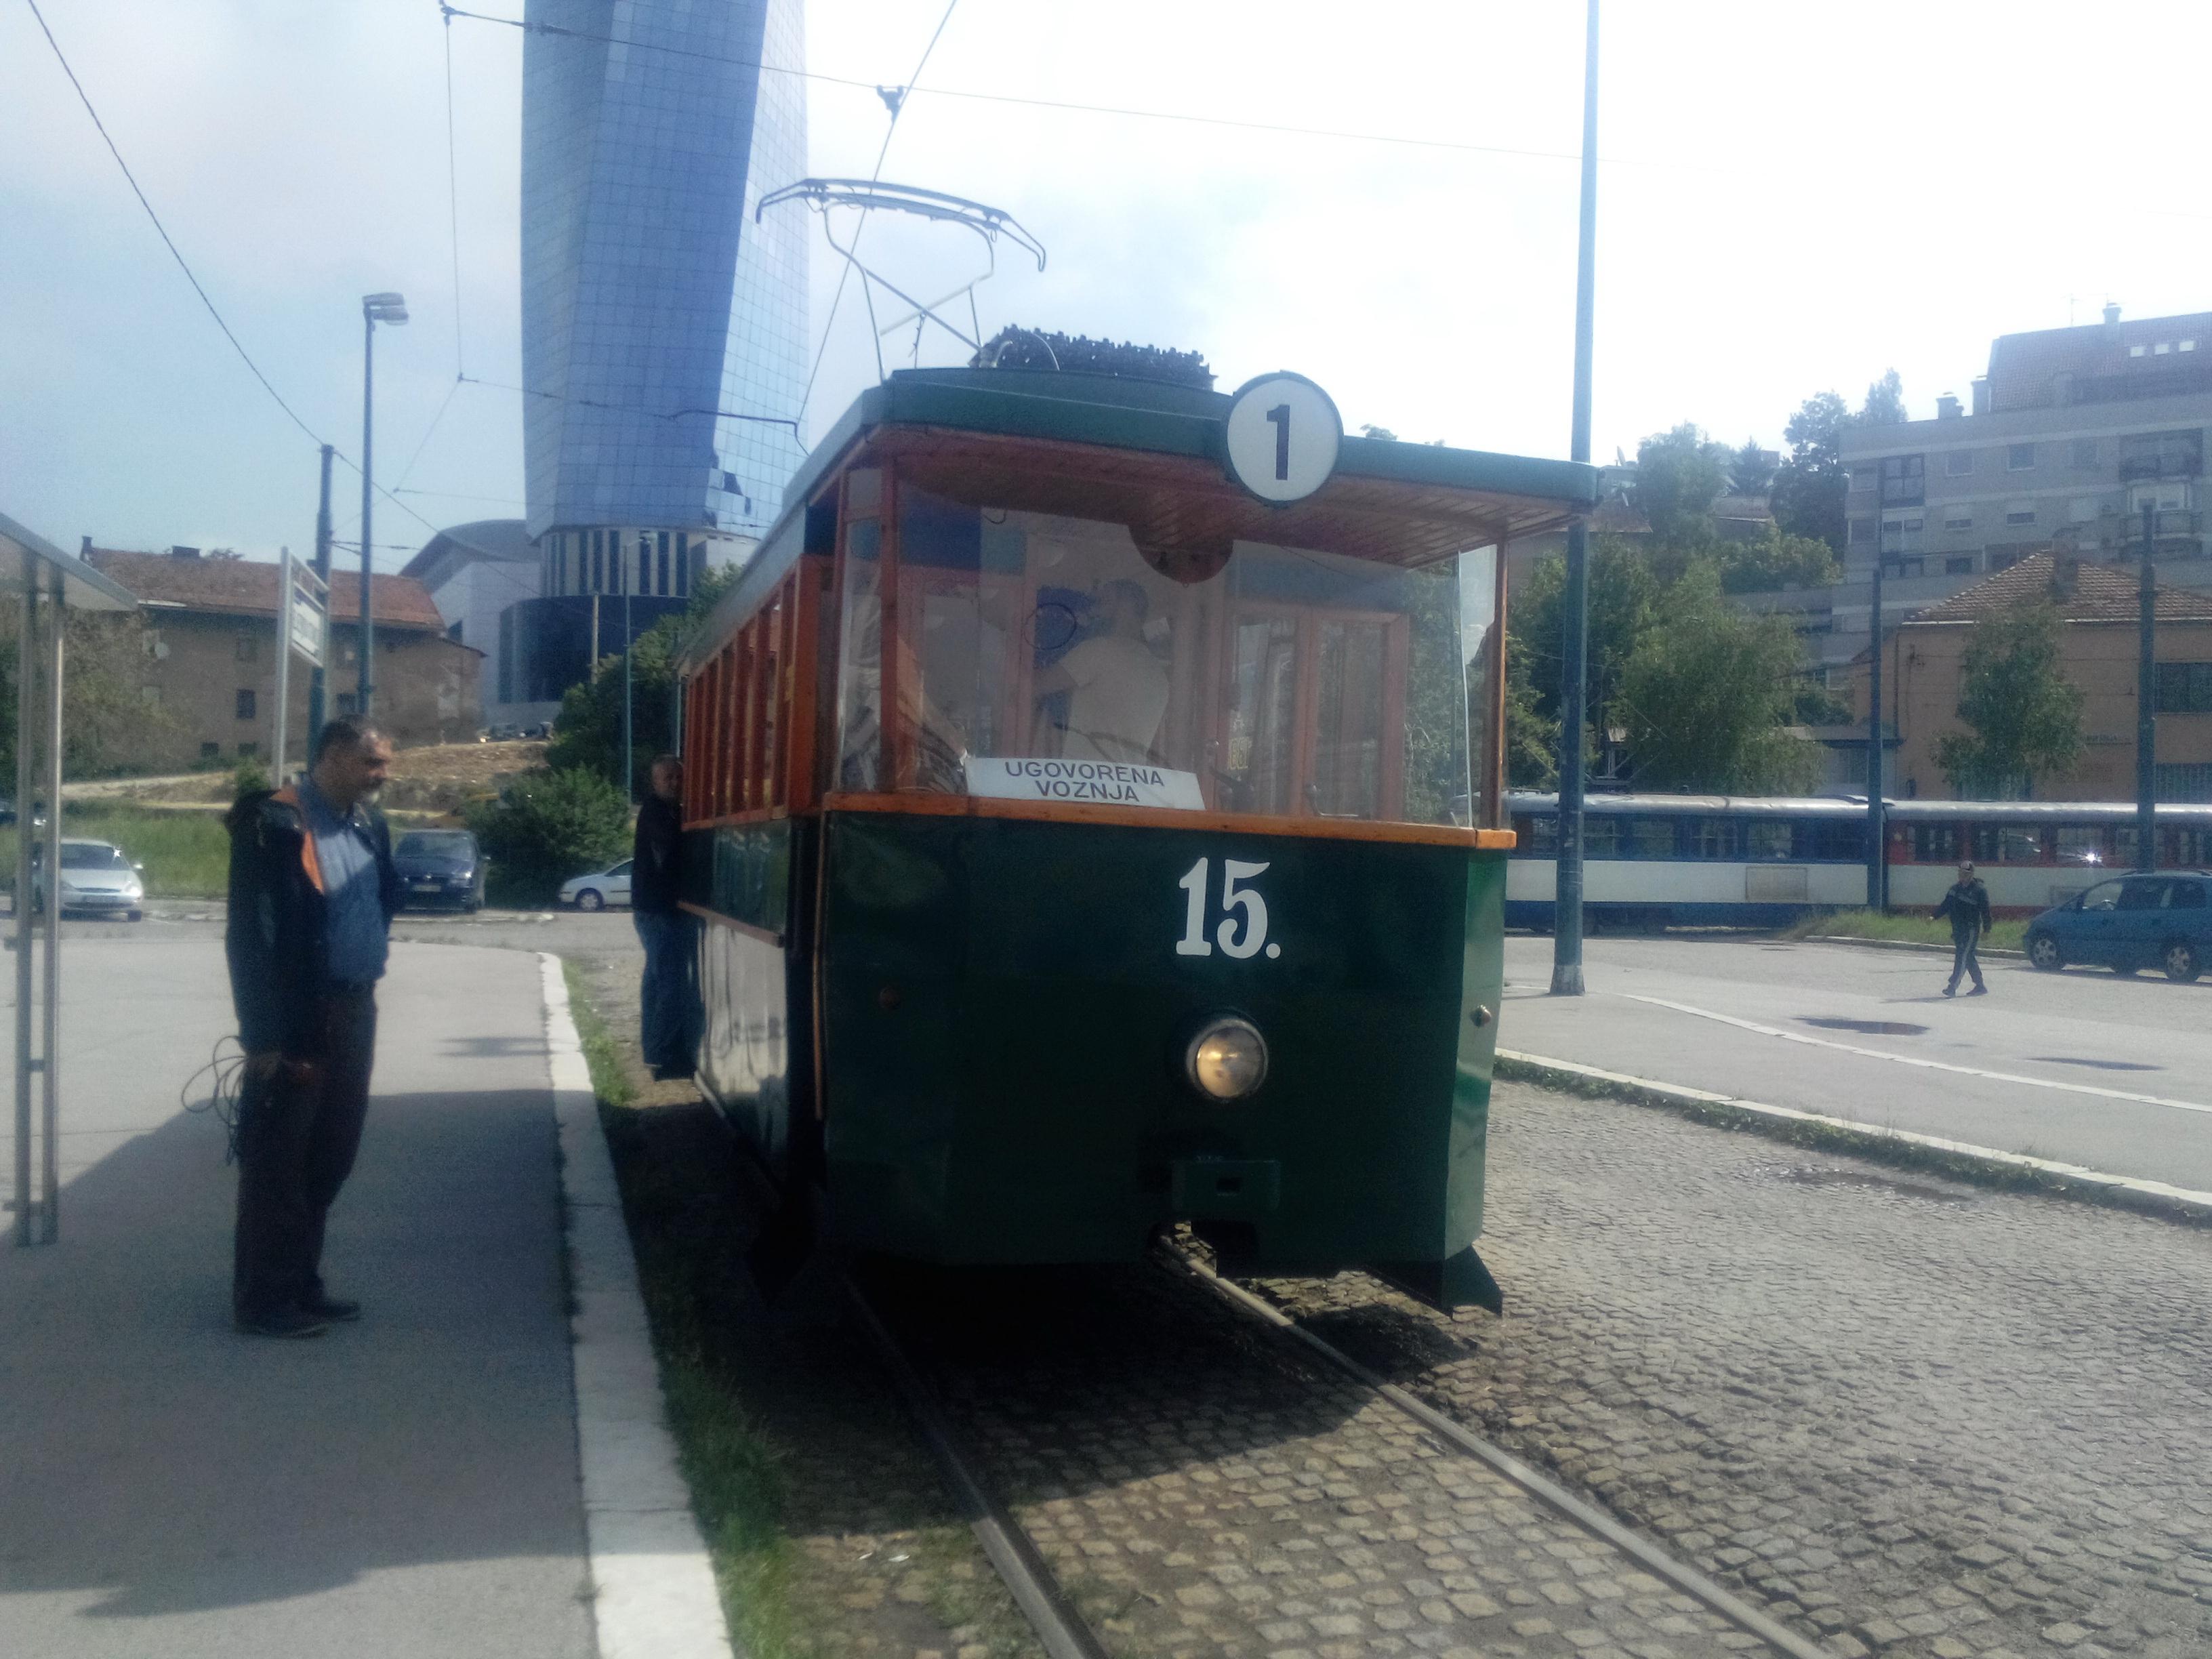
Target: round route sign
(1283, 435)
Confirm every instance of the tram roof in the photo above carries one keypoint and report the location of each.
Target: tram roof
(1516, 495)
(2079, 812)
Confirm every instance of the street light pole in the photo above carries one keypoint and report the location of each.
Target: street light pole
(390, 308)
(1567, 903)
(1877, 818)
(2147, 702)
(322, 568)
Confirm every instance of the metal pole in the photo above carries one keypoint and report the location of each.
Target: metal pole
(49, 1056)
(361, 701)
(26, 732)
(323, 573)
(278, 741)
(1877, 821)
(629, 767)
(2146, 703)
(1567, 934)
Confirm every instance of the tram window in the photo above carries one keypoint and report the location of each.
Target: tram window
(1766, 838)
(1936, 844)
(2009, 843)
(2079, 843)
(1537, 836)
(1715, 838)
(1601, 836)
(1832, 839)
(2178, 847)
(1648, 838)
(1284, 681)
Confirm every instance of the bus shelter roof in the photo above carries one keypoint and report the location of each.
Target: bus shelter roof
(24, 552)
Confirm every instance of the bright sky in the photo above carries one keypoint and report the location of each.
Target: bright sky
(1792, 199)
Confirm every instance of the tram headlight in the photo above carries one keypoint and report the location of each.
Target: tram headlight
(1227, 1060)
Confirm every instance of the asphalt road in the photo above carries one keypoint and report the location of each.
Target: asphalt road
(2080, 1066)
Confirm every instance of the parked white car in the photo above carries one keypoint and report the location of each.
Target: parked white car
(597, 889)
(97, 879)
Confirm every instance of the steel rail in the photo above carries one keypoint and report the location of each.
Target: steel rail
(1028, 1578)
(1646, 1554)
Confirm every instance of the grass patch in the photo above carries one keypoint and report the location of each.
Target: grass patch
(1872, 1146)
(186, 854)
(1913, 928)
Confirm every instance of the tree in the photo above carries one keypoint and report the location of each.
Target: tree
(1680, 474)
(549, 825)
(1708, 693)
(1810, 484)
(1624, 591)
(587, 732)
(1885, 402)
(102, 655)
(1750, 472)
(1532, 738)
(2024, 716)
(1774, 562)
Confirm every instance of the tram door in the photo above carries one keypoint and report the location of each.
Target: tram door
(1316, 705)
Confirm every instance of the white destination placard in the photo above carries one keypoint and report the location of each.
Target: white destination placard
(1109, 783)
(1283, 437)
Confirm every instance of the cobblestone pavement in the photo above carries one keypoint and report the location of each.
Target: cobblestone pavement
(1912, 1417)
(1203, 1489)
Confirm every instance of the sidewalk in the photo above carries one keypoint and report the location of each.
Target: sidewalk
(409, 1485)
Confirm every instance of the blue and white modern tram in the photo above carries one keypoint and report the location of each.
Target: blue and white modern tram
(1653, 861)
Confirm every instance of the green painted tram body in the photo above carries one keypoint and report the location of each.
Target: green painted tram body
(955, 1029)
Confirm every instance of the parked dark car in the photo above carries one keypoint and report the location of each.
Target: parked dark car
(439, 869)
(2131, 922)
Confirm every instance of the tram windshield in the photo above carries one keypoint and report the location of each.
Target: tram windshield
(1284, 681)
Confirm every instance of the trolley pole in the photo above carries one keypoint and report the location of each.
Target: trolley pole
(322, 569)
(2147, 702)
(1877, 817)
(1567, 909)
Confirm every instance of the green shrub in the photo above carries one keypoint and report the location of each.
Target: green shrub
(545, 827)
(249, 777)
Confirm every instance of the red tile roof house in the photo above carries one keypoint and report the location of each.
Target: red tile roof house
(210, 663)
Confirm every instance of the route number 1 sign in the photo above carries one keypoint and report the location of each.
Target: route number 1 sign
(1283, 435)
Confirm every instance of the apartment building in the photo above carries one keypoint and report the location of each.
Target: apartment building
(2070, 436)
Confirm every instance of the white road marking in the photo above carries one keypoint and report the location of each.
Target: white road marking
(1915, 1060)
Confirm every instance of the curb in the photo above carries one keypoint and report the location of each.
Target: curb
(1958, 1158)
(1914, 945)
(653, 1590)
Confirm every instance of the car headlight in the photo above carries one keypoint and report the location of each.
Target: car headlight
(1227, 1060)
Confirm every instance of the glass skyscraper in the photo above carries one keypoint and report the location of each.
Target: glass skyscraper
(654, 310)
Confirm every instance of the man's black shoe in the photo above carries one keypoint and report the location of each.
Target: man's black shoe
(673, 1073)
(1979, 991)
(337, 1308)
(284, 1322)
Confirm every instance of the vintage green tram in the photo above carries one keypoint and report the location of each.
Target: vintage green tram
(1085, 843)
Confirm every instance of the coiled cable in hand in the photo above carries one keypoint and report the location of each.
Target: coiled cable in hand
(226, 1072)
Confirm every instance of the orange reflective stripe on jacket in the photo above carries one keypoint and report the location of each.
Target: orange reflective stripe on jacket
(309, 860)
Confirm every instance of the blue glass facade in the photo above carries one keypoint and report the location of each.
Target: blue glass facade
(653, 306)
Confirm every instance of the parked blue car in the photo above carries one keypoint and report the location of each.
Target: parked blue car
(2128, 923)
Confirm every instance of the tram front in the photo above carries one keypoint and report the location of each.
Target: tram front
(1160, 865)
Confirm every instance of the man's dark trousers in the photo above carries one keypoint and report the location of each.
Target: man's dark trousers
(669, 1012)
(297, 1134)
(1965, 959)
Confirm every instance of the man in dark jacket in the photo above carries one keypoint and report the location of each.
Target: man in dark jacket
(312, 892)
(1967, 905)
(668, 997)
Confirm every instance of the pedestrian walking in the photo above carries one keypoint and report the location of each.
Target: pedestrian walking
(1967, 903)
(669, 1012)
(312, 892)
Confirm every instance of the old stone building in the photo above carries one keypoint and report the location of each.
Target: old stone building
(210, 670)
(1923, 672)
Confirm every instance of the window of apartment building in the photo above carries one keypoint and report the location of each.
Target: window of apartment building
(2082, 510)
(1959, 463)
(210, 750)
(1959, 518)
(2085, 451)
(667, 588)
(2166, 495)
(683, 564)
(249, 648)
(1900, 533)
(2181, 782)
(2162, 349)
(245, 704)
(248, 750)
(2188, 345)
(2001, 558)
(2184, 688)
(2019, 512)
(2019, 458)
(1904, 480)
(2162, 455)
(1905, 566)
(1960, 564)
(2135, 351)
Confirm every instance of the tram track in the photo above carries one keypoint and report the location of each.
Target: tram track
(960, 1435)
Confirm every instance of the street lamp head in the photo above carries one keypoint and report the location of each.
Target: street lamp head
(388, 308)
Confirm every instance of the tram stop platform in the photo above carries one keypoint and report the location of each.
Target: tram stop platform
(412, 1484)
